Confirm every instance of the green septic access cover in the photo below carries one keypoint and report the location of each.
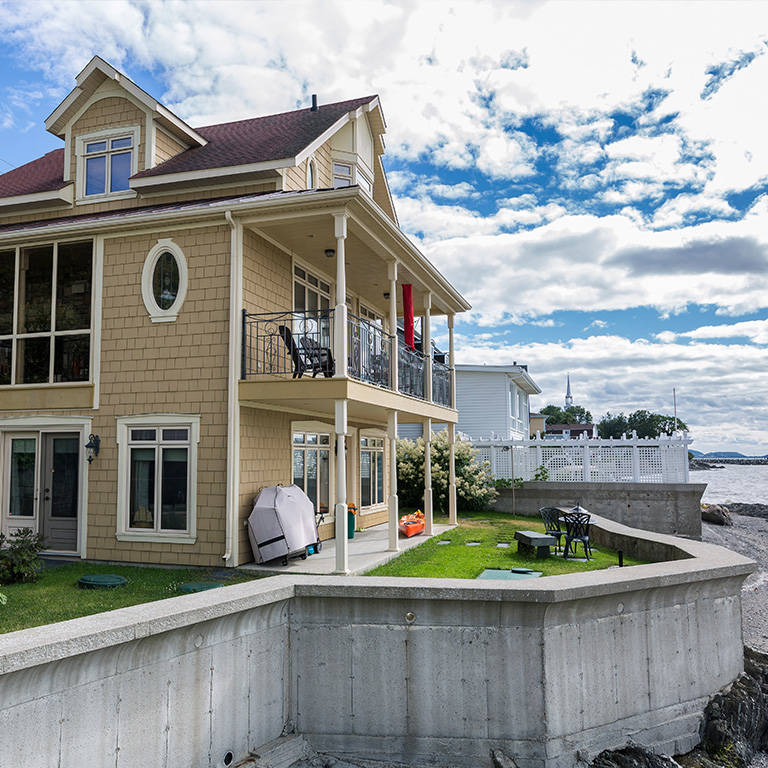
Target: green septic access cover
(515, 573)
(199, 586)
(101, 581)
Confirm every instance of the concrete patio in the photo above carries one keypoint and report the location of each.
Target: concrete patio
(368, 549)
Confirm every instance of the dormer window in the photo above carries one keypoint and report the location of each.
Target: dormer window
(342, 175)
(106, 161)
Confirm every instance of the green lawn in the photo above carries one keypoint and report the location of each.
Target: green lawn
(458, 561)
(56, 596)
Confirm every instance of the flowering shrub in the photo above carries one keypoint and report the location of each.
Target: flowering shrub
(18, 556)
(474, 482)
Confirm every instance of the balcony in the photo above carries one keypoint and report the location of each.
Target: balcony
(300, 345)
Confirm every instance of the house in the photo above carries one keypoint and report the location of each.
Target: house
(537, 423)
(570, 431)
(492, 401)
(210, 311)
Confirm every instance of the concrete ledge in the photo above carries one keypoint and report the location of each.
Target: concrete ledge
(424, 670)
(672, 508)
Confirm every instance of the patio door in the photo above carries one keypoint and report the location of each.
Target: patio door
(20, 481)
(59, 480)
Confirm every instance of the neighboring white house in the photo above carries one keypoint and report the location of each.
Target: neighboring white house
(492, 401)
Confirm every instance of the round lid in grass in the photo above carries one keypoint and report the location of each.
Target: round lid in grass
(198, 586)
(101, 581)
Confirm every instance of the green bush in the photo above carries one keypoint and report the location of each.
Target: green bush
(507, 482)
(474, 482)
(541, 475)
(19, 561)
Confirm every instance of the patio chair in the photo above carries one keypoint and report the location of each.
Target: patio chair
(298, 364)
(576, 530)
(550, 516)
(319, 359)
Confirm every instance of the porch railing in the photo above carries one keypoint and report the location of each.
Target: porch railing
(441, 382)
(295, 343)
(369, 352)
(410, 371)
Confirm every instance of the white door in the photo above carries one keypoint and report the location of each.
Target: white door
(20, 481)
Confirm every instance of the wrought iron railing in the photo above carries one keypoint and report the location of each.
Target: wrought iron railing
(295, 343)
(441, 382)
(410, 371)
(369, 352)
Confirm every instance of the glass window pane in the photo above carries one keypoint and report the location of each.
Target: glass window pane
(142, 434)
(96, 146)
(22, 486)
(342, 170)
(312, 280)
(96, 175)
(365, 478)
(299, 272)
(173, 490)
(142, 494)
(73, 286)
(121, 143)
(298, 467)
(165, 280)
(7, 270)
(325, 440)
(298, 437)
(64, 477)
(175, 434)
(311, 489)
(341, 182)
(325, 287)
(35, 280)
(312, 301)
(6, 347)
(71, 358)
(379, 477)
(32, 360)
(298, 297)
(120, 171)
(311, 439)
(323, 481)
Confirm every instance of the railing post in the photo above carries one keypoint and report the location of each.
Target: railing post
(340, 324)
(243, 343)
(686, 467)
(426, 346)
(635, 458)
(539, 458)
(451, 362)
(586, 464)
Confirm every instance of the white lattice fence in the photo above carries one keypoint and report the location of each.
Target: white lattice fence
(629, 459)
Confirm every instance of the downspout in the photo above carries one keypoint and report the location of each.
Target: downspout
(233, 403)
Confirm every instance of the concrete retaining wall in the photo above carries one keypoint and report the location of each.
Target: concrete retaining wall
(436, 671)
(673, 508)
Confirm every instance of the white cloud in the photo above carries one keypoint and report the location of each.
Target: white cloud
(754, 330)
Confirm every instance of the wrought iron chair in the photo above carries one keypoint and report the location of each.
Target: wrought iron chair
(576, 530)
(298, 364)
(320, 359)
(550, 516)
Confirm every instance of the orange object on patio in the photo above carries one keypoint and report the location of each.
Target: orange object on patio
(412, 525)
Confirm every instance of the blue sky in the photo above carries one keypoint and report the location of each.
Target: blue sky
(592, 176)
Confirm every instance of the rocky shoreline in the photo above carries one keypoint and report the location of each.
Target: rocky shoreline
(720, 514)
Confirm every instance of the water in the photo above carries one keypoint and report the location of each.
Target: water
(742, 483)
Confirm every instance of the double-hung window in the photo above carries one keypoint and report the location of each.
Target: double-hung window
(158, 477)
(106, 163)
(371, 471)
(45, 313)
(342, 175)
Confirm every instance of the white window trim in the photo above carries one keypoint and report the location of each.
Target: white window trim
(376, 435)
(134, 131)
(156, 314)
(124, 423)
(311, 163)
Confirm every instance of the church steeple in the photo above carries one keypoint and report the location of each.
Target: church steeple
(568, 397)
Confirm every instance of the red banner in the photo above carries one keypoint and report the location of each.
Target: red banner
(408, 315)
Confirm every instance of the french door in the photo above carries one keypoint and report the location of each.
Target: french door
(41, 486)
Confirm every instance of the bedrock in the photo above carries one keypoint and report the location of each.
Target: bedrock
(443, 672)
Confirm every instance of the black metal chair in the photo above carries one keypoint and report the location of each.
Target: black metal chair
(320, 359)
(550, 516)
(576, 530)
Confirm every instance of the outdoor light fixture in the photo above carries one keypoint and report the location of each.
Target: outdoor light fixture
(330, 252)
(92, 447)
(386, 295)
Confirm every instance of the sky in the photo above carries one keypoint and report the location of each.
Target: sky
(593, 177)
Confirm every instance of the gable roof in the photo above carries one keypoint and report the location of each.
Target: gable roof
(267, 139)
(257, 140)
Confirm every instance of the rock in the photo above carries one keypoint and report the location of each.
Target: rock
(501, 760)
(632, 756)
(716, 513)
(751, 510)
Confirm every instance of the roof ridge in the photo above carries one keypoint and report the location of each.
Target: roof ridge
(362, 99)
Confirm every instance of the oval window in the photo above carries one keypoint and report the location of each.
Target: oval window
(165, 280)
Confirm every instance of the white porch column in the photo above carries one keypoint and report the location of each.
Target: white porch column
(426, 346)
(392, 274)
(451, 361)
(394, 540)
(428, 476)
(340, 312)
(340, 507)
(452, 509)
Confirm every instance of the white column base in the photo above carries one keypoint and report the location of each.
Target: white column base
(428, 511)
(453, 517)
(342, 543)
(394, 531)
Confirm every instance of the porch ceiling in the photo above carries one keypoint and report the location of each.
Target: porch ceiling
(309, 235)
(366, 404)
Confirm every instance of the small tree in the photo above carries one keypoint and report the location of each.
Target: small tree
(474, 482)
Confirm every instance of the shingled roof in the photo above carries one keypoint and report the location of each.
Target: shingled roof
(257, 140)
(45, 174)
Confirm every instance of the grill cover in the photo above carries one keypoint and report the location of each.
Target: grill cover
(282, 523)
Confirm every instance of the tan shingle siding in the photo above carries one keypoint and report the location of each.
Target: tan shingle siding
(166, 147)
